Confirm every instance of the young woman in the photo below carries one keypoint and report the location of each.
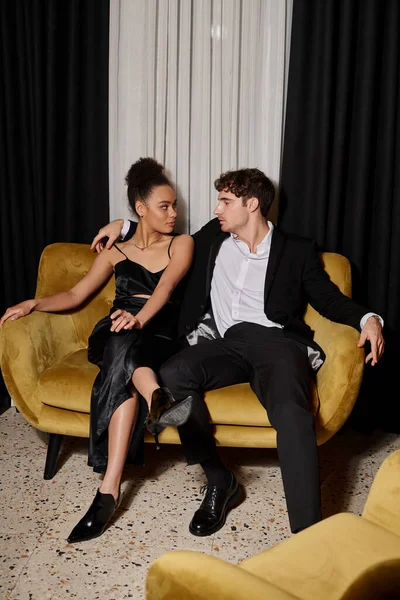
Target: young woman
(132, 342)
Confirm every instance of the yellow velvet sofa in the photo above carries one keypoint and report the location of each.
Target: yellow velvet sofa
(344, 557)
(43, 359)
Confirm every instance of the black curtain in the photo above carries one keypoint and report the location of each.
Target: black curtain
(340, 179)
(53, 131)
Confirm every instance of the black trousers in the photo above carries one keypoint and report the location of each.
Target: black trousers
(278, 372)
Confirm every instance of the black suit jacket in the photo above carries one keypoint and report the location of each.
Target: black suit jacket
(294, 277)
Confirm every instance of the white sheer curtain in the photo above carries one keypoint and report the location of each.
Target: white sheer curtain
(198, 85)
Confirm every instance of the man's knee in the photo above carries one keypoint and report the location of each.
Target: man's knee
(176, 373)
(167, 371)
(291, 416)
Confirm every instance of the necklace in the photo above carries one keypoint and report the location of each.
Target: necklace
(148, 246)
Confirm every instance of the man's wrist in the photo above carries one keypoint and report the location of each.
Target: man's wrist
(368, 316)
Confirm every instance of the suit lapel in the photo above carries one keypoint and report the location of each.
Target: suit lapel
(277, 247)
(214, 249)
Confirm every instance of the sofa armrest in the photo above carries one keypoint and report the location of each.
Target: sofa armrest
(382, 506)
(27, 347)
(190, 575)
(338, 380)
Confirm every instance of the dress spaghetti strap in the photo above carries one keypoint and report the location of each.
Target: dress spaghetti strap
(119, 250)
(169, 247)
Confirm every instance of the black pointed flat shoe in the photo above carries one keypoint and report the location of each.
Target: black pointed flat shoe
(166, 411)
(96, 519)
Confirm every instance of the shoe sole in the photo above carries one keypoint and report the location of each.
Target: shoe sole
(237, 498)
(177, 415)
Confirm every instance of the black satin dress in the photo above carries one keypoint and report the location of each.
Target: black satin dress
(118, 354)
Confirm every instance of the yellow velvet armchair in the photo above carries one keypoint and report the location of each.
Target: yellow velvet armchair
(43, 358)
(344, 557)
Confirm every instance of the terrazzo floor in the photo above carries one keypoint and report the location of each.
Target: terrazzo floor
(159, 499)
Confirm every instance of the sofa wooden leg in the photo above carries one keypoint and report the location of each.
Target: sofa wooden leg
(53, 450)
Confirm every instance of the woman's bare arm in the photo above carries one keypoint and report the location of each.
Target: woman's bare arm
(97, 275)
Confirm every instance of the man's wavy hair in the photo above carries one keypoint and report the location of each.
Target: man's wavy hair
(246, 184)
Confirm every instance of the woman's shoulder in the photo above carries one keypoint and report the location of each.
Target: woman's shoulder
(121, 245)
(182, 236)
(182, 240)
(113, 254)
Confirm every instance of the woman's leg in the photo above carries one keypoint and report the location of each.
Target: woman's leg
(121, 427)
(145, 381)
(104, 505)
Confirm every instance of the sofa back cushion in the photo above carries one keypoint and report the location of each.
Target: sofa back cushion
(61, 266)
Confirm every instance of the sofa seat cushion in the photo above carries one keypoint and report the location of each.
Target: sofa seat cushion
(238, 405)
(68, 383)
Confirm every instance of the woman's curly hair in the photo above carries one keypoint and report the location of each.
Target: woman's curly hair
(142, 177)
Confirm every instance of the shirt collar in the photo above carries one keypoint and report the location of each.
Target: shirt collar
(264, 246)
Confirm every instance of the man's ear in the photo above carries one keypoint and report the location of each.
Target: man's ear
(253, 204)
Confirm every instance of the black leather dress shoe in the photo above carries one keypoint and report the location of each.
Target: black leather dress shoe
(96, 519)
(211, 515)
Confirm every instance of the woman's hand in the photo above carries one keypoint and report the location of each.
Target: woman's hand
(19, 310)
(122, 319)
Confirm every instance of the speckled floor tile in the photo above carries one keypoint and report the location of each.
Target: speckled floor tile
(345, 490)
(20, 436)
(93, 571)
(348, 463)
(248, 532)
(23, 485)
(28, 514)
(113, 569)
(15, 552)
(158, 503)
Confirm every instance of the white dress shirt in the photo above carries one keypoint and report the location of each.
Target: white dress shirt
(237, 286)
(125, 228)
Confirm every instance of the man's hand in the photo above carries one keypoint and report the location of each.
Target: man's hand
(18, 310)
(122, 319)
(112, 231)
(372, 331)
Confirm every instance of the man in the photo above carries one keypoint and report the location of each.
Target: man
(242, 317)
